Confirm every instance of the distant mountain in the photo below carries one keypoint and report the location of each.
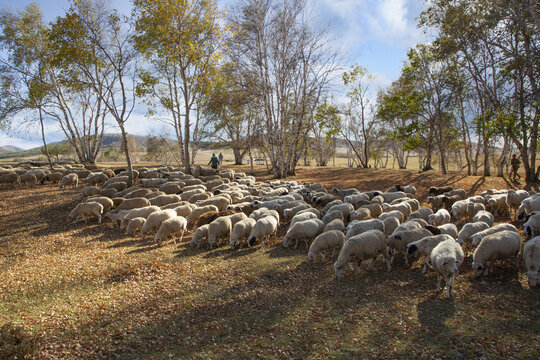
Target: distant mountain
(9, 148)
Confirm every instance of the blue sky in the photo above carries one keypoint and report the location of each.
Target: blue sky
(373, 33)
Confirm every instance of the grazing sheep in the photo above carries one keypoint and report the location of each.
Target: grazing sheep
(11, 178)
(528, 206)
(163, 200)
(402, 207)
(218, 201)
(532, 225)
(375, 210)
(329, 205)
(363, 226)
(336, 224)
(107, 203)
(305, 230)
(263, 229)
(116, 219)
(460, 209)
(85, 210)
(137, 193)
(469, 230)
(461, 193)
(69, 179)
(367, 245)
(241, 231)
(445, 259)
(391, 196)
(473, 208)
(484, 216)
(331, 239)
(448, 229)
(498, 206)
(324, 200)
(422, 222)
(133, 203)
(171, 227)
(54, 178)
(344, 208)
(355, 199)
(394, 213)
(405, 188)
(153, 194)
(183, 210)
(332, 215)
(134, 225)
(90, 191)
(303, 217)
(377, 200)
(200, 235)
(155, 219)
(407, 225)
(96, 179)
(476, 238)
(170, 188)
(515, 198)
(291, 212)
(390, 225)
(449, 201)
(531, 257)
(312, 210)
(435, 191)
(342, 193)
(143, 212)
(413, 203)
(424, 247)
(442, 216)
(436, 202)
(28, 179)
(421, 213)
(198, 212)
(398, 241)
(499, 246)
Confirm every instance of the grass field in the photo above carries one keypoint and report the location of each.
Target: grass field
(76, 291)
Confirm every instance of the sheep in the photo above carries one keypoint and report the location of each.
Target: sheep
(448, 229)
(171, 227)
(344, 208)
(531, 257)
(218, 201)
(499, 246)
(324, 200)
(198, 212)
(85, 210)
(183, 210)
(446, 259)
(116, 219)
(478, 199)
(153, 194)
(163, 200)
(137, 193)
(154, 220)
(367, 245)
(264, 228)
(532, 225)
(106, 202)
(54, 178)
(442, 216)
(10, 178)
(374, 209)
(391, 196)
(470, 229)
(303, 217)
(336, 224)
(390, 225)
(134, 225)
(143, 212)
(424, 247)
(170, 188)
(96, 179)
(436, 202)
(422, 213)
(407, 225)
(332, 215)
(515, 198)
(460, 209)
(312, 210)
(473, 208)
(134, 203)
(331, 239)
(422, 222)
(199, 197)
(344, 193)
(355, 199)
(449, 201)
(405, 188)
(200, 235)
(398, 241)
(394, 213)
(291, 212)
(305, 230)
(439, 190)
(28, 179)
(241, 231)
(528, 205)
(476, 238)
(90, 191)
(484, 216)
(359, 214)
(363, 226)
(461, 193)
(402, 207)
(69, 179)
(115, 179)
(498, 206)
(377, 200)
(259, 213)
(413, 203)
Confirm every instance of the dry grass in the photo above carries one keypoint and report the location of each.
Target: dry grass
(88, 292)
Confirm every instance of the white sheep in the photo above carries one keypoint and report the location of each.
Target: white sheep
(528, 206)
(200, 235)
(497, 205)
(424, 247)
(311, 210)
(374, 209)
(259, 213)
(398, 241)
(484, 216)
(531, 257)
(460, 209)
(163, 200)
(332, 239)
(446, 259)
(345, 209)
(423, 223)
(473, 208)
(134, 225)
(107, 203)
(514, 198)
(367, 245)
(219, 229)
(241, 231)
(407, 225)
(391, 196)
(69, 179)
(390, 225)
(469, 230)
(154, 220)
(263, 229)
(448, 229)
(171, 227)
(336, 224)
(532, 225)
(220, 202)
(436, 202)
(402, 207)
(394, 213)
(355, 198)
(459, 192)
(442, 216)
(332, 215)
(85, 210)
(499, 246)
(198, 212)
(421, 213)
(364, 225)
(359, 214)
(143, 212)
(302, 217)
(405, 188)
(476, 238)
(133, 203)
(305, 230)
(291, 212)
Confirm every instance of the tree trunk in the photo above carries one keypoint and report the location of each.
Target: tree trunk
(487, 170)
(44, 142)
(128, 156)
(237, 156)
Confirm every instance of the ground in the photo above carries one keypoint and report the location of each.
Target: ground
(86, 291)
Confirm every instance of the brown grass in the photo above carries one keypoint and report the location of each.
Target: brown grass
(88, 292)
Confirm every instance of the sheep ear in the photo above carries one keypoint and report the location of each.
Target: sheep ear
(397, 237)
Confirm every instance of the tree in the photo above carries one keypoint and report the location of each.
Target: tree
(57, 149)
(181, 39)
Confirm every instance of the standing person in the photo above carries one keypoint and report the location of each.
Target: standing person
(515, 167)
(214, 161)
(220, 159)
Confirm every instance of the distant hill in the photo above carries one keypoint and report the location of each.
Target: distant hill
(9, 149)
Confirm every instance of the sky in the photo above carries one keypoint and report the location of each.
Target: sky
(372, 33)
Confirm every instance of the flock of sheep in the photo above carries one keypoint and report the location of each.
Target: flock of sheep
(228, 206)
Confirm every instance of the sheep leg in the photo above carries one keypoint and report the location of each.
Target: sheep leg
(371, 264)
(449, 284)
(99, 218)
(182, 235)
(424, 269)
(357, 270)
(438, 282)
(406, 259)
